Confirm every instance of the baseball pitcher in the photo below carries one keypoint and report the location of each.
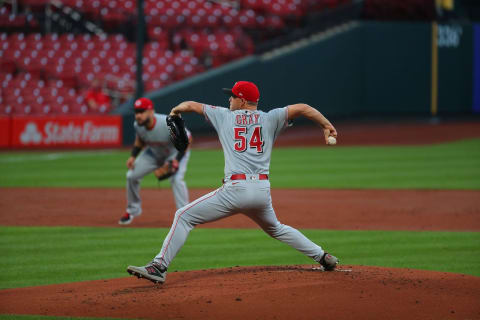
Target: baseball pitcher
(153, 152)
(247, 136)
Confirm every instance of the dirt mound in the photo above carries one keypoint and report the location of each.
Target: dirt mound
(284, 292)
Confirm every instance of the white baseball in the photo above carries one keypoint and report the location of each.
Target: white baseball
(331, 140)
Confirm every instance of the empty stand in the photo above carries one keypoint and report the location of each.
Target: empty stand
(48, 73)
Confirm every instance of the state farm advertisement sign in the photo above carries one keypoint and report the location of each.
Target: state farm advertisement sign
(84, 131)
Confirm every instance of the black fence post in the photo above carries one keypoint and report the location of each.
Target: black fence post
(140, 41)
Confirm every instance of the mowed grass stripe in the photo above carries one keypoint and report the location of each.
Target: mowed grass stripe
(445, 166)
(66, 254)
(442, 166)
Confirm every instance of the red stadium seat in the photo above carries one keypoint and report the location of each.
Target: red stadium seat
(157, 33)
(79, 109)
(61, 108)
(154, 84)
(6, 109)
(21, 109)
(5, 77)
(129, 7)
(202, 21)
(45, 109)
(169, 21)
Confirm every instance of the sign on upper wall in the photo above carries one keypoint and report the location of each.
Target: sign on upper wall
(455, 64)
(449, 35)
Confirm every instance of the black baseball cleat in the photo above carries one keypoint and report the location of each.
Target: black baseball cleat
(328, 262)
(125, 219)
(152, 271)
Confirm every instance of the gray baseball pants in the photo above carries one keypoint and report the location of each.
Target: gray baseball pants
(250, 197)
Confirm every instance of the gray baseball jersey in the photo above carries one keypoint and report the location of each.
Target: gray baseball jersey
(157, 138)
(247, 139)
(158, 150)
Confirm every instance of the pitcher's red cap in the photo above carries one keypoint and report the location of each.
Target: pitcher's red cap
(143, 103)
(244, 89)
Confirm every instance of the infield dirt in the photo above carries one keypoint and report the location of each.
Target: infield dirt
(288, 292)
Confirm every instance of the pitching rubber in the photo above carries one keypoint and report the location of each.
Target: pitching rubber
(335, 270)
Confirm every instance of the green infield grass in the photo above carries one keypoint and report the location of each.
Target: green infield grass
(67, 254)
(453, 165)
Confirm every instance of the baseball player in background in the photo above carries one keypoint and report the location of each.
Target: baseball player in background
(247, 136)
(158, 156)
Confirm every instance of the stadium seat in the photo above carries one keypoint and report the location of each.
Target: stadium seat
(45, 109)
(184, 37)
(21, 109)
(60, 108)
(79, 109)
(6, 109)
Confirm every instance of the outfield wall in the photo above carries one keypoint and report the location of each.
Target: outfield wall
(367, 69)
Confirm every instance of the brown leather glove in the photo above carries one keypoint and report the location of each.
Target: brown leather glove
(168, 169)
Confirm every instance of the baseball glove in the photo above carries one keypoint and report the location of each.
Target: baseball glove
(178, 134)
(167, 170)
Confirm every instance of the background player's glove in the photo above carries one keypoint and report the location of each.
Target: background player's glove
(167, 170)
(178, 134)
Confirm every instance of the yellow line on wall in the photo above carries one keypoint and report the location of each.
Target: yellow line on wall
(434, 86)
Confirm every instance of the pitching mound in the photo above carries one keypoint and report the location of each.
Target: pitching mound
(286, 292)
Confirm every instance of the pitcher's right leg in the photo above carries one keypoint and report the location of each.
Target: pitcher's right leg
(208, 208)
